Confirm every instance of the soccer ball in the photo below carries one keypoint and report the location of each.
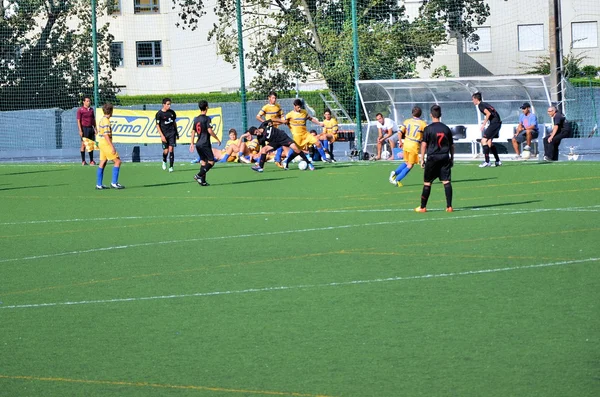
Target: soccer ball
(526, 155)
(302, 165)
(385, 155)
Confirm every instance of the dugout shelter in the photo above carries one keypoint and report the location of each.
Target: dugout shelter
(396, 98)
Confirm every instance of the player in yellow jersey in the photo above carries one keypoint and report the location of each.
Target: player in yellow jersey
(107, 150)
(330, 133)
(296, 119)
(412, 129)
(272, 111)
(233, 150)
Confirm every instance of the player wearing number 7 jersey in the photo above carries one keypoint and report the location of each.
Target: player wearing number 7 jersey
(412, 129)
(439, 145)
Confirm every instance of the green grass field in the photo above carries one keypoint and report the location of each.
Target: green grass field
(323, 283)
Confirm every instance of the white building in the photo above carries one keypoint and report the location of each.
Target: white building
(158, 57)
(155, 56)
(516, 34)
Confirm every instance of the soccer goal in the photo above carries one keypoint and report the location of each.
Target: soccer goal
(396, 98)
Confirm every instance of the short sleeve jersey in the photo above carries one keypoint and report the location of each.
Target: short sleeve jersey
(201, 126)
(388, 124)
(560, 120)
(253, 145)
(166, 121)
(494, 116)
(104, 127)
(331, 126)
(231, 142)
(439, 140)
(528, 121)
(413, 129)
(86, 116)
(271, 111)
(298, 121)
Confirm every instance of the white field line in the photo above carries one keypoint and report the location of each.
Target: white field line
(256, 235)
(593, 208)
(305, 286)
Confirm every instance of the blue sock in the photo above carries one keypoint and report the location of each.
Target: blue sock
(240, 155)
(99, 176)
(322, 153)
(325, 144)
(278, 154)
(403, 173)
(224, 159)
(115, 178)
(400, 168)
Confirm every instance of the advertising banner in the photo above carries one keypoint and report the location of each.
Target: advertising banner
(139, 126)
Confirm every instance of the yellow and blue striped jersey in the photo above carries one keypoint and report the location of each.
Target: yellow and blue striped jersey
(331, 126)
(297, 121)
(104, 127)
(271, 111)
(413, 130)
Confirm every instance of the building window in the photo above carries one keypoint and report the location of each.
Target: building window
(531, 37)
(145, 6)
(114, 7)
(116, 54)
(148, 53)
(584, 34)
(484, 44)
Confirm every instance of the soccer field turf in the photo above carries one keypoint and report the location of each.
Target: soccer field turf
(299, 283)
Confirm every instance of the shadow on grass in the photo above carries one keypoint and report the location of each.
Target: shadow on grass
(29, 187)
(250, 181)
(472, 180)
(475, 207)
(34, 172)
(164, 184)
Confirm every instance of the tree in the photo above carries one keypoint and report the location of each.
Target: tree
(45, 61)
(292, 40)
(571, 64)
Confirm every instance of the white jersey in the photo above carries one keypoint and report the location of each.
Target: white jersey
(388, 124)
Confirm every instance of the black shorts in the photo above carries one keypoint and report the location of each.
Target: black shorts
(276, 144)
(171, 141)
(437, 168)
(493, 131)
(88, 132)
(205, 153)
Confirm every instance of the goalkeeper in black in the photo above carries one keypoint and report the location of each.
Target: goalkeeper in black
(439, 145)
(272, 138)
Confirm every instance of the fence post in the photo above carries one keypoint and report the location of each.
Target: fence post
(58, 128)
(238, 11)
(358, 134)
